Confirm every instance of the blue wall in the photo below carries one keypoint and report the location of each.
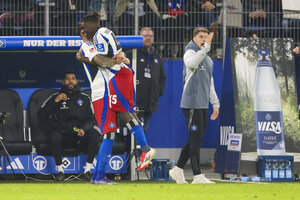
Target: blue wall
(167, 128)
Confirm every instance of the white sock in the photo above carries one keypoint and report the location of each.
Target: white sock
(88, 167)
(60, 168)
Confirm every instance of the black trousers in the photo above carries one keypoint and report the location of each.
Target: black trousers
(196, 120)
(88, 144)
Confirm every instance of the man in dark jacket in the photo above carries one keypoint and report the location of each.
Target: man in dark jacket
(71, 123)
(151, 77)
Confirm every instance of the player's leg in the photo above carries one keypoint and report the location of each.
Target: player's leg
(196, 132)
(105, 150)
(107, 122)
(137, 130)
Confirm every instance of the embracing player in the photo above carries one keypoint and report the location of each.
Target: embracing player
(103, 49)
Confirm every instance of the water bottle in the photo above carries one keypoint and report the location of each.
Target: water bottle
(281, 167)
(275, 169)
(288, 169)
(267, 108)
(268, 169)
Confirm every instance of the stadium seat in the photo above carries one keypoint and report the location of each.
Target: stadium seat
(39, 135)
(12, 127)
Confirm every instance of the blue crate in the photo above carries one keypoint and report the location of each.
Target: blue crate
(160, 170)
(277, 168)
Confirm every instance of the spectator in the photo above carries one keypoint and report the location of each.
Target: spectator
(262, 14)
(71, 123)
(296, 50)
(151, 76)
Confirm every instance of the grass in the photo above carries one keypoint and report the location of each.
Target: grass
(146, 190)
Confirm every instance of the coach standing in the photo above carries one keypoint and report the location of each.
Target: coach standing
(198, 90)
(151, 77)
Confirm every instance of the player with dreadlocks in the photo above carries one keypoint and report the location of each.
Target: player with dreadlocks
(103, 49)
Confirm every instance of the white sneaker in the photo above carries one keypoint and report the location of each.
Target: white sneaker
(201, 179)
(177, 174)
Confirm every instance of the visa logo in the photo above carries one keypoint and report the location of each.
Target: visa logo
(270, 127)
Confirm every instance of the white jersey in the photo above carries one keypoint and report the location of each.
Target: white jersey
(98, 76)
(108, 45)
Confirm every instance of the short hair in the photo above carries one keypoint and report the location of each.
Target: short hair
(198, 30)
(93, 17)
(68, 71)
(146, 29)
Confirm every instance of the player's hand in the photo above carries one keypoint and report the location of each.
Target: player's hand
(61, 96)
(121, 58)
(296, 50)
(79, 56)
(209, 38)
(81, 132)
(215, 114)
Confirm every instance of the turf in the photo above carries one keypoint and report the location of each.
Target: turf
(146, 190)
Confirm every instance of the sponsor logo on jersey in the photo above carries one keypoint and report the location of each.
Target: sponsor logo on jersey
(194, 128)
(116, 162)
(92, 49)
(155, 60)
(79, 102)
(100, 47)
(142, 60)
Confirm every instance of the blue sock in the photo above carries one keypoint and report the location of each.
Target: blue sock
(139, 135)
(103, 153)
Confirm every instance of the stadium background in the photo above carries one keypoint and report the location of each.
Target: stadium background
(172, 21)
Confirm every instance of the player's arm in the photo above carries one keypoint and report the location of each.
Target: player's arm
(80, 58)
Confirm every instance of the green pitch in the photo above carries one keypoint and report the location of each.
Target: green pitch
(146, 190)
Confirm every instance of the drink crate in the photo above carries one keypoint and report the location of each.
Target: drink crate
(160, 170)
(277, 168)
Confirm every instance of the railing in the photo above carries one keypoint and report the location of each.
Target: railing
(172, 20)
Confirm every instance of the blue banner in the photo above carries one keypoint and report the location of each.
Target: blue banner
(38, 164)
(59, 42)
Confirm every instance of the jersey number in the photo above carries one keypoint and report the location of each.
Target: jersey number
(112, 99)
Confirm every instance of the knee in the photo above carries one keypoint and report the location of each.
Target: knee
(93, 136)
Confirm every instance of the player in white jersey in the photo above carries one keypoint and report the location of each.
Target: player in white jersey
(121, 83)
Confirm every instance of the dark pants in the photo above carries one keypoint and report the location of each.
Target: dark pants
(196, 122)
(88, 144)
(147, 118)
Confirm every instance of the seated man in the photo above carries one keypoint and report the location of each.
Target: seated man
(71, 123)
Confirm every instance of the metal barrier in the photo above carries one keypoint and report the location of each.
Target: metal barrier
(172, 20)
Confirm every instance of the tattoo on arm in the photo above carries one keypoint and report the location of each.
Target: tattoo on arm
(103, 61)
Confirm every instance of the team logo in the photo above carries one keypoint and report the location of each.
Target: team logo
(22, 73)
(39, 163)
(116, 162)
(112, 125)
(66, 163)
(100, 47)
(194, 128)
(79, 102)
